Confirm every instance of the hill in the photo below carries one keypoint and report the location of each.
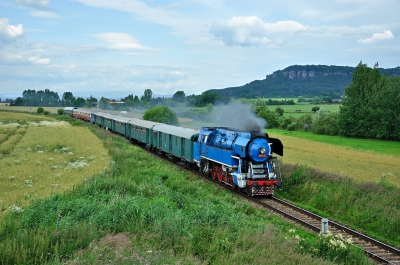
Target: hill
(299, 80)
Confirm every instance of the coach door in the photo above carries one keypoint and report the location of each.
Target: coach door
(183, 148)
(160, 141)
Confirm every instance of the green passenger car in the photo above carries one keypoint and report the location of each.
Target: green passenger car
(108, 121)
(174, 140)
(121, 125)
(142, 131)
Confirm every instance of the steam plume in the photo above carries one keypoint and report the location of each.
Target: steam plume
(240, 116)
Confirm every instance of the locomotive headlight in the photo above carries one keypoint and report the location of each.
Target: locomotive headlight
(262, 150)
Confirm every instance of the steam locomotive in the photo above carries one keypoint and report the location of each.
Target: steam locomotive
(242, 159)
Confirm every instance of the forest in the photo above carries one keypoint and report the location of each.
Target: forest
(299, 80)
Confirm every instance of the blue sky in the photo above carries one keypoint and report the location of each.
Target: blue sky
(115, 48)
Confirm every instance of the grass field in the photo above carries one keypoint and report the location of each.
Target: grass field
(41, 156)
(360, 159)
(143, 210)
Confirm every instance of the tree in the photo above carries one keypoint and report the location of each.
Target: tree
(270, 117)
(79, 102)
(103, 103)
(259, 105)
(147, 95)
(179, 96)
(90, 101)
(18, 102)
(315, 109)
(68, 99)
(325, 122)
(370, 106)
(30, 97)
(279, 111)
(161, 114)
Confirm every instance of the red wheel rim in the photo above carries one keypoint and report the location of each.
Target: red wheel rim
(214, 172)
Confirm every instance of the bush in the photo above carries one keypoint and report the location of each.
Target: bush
(325, 122)
(40, 110)
(161, 114)
(60, 111)
(285, 122)
(270, 116)
(46, 112)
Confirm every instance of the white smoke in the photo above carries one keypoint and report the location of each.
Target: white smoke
(239, 116)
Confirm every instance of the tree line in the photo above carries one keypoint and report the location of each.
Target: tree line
(370, 109)
(49, 98)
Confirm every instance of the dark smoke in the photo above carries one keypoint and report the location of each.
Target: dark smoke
(239, 116)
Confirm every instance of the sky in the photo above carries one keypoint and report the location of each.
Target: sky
(114, 48)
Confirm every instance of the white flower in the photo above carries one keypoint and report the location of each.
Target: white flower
(16, 209)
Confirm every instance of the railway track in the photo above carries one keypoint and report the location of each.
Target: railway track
(381, 252)
(376, 250)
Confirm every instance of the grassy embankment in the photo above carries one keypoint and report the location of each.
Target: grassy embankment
(355, 181)
(143, 210)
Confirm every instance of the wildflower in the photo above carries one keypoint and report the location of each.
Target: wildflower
(11, 177)
(17, 162)
(77, 164)
(16, 209)
(28, 181)
(90, 158)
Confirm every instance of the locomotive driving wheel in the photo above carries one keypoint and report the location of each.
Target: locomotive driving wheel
(214, 172)
(220, 173)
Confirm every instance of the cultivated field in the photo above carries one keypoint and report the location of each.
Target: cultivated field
(365, 163)
(40, 156)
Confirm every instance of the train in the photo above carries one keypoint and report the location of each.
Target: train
(244, 160)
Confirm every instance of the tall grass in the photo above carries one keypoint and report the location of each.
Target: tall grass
(168, 215)
(41, 158)
(371, 207)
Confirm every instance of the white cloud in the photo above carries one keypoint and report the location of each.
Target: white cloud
(44, 14)
(36, 4)
(119, 41)
(9, 32)
(386, 35)
(246, 31)
(37, 60)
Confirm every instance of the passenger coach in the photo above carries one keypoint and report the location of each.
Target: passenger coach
(174, 140)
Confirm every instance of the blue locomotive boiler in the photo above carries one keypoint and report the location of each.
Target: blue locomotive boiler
(240, 159)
